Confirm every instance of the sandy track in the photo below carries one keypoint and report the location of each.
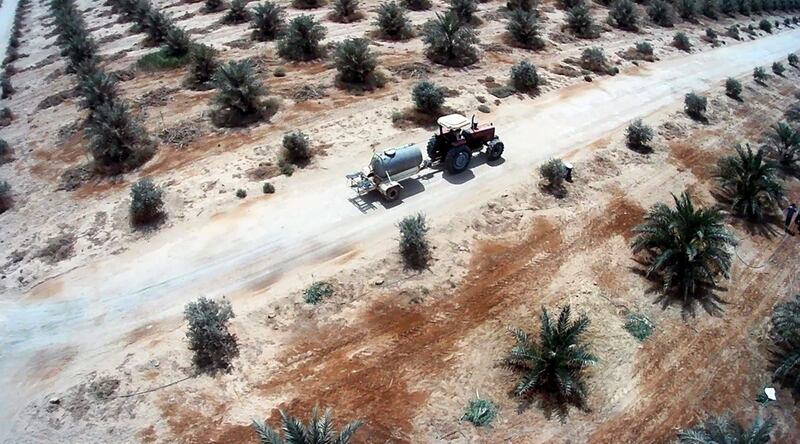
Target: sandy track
(88, 308)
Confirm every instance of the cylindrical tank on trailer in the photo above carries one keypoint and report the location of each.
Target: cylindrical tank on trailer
(395, 161)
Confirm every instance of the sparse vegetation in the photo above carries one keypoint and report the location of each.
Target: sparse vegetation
(644, 49)
(733, 88)
(688, 247)
(778, 68)
(785, 335)
(733, 32)
(268, 21)
(639, 326)
(239, 94)
(687, 9)
(624, 14)
(177, 42)
(711, 35)
(237, 13)
(681, 41)
(793, 60)
(480, 412)
(345, 11)
(317, 291)
(156, 25)
(449, 42)
(214, 346)
(318, 431)
(147, 204)
(639, 135)
(523, 28)
(594, 59)
(268, 188)
(760, 75)
(296, 147)
(354, 61)
(302, 39)
(241, 193)
(161, 60)
(392, 22)
(661, 13)
(751, 182)
(414, 246)
(581, 21)
(695, 106)
(202, 66)
(524, 76)
(765, 25)
(725, 429)
(710, 8)
(554, 366)
(784, 144)
(307, 4)
(555, 173)
(427, 97)
(97, 89)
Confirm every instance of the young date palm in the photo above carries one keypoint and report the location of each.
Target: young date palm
(786, 339)
(318, 431)
(554, 365)
(354, 60)
(97, 89)
(449, 41)
(392, 22)
(725, 430)
(202, 66)
(238, 91)
(237, 13)
(115, 138)
(268, 20)
(301, 41)
(751, 181)
(523, 27)
(689, 247)
(785, 144)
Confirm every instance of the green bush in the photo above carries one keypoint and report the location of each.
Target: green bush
(237, 13)
(581, 21)
(661, 13)
(733, 88)
(392, 22)
(156, 25)
(202, 66)
(765, 25)
(639, 326)
(239, 94)
(354, 61)
(161, 60)
(214, 346)
(449, 42)
(644, 48)
(524, 76)
(710, 8)
(268, 188)
(147, 204)
(5, 196)
(317, 291)
(417, 5)
(594, 59)
(301, 41)
(6, 89)
(427, 97)
(733, 32)
(639, 135)
(97, 89)
(241, 193)
(296, 147)
(711, 34)
(554, 172)
(681, 41)
(523, 27)
(414, 246)
(760, 75)
(480, 412)
(464, 10)
(793, 60)
(695, 105)
(624, 14)
(177, 42)
(687, 9)
(268, 21)
(345, 11)
(729, 7)
(778, 68)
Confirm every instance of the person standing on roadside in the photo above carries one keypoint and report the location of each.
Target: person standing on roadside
(790, 213)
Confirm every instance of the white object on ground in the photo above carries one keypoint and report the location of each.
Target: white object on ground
(770, 392)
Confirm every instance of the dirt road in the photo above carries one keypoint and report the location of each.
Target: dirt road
(87, 309)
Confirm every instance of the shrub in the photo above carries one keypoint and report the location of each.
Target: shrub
(711, 35)
(4, 149)
(725, 429)
(555, 364)
(427, 97)
(97, 89)
(279, 72)
(639, 326)
(268, 21)
(307, 4)
(751, 182)
(581, 21)
(681, 41)
(354, 61)
(644, 48)
(345, 11)
(317, 291)
(160, 60)
(733, 88)
(524, 76)
(202, 66)
(785, 335)
(6, 89)
(147, 204)
(687, 9)
(710, 8)
(237, 13)
(778, 68)
(449, 42)
(464, 10)
(594, 59)
(268, 188)
(296, 147)
(729, 7)
(417, 5)
(624, 14)
(695, 105)
(241, 193)
(784, 143)
(414, 246)
(760, 75)
(319, 430)
(480, 412)
(239, 93)
(156, 25)
(5, 196)
(301, 41)
(213, 345)
(765, 25)
(793, 60)
(525, 5)
(554, 172)
(523, 27)
(177, 42)
(661, 13)
(392, 22)
(733, 32)
(210, 6)
(689, 248)
(115, 139)
(639, 135)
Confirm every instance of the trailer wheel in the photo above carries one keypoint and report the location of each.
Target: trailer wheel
(392, 194)
(494, 150)
(457, 160)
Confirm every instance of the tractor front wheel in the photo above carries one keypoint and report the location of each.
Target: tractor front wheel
(457, 160)
(494, 150)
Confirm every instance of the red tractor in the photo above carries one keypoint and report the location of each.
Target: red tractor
(458, 138)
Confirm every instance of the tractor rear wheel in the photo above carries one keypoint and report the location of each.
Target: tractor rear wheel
(494, 150)
(457, 160)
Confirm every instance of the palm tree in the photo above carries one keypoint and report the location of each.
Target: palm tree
(689, 247)
(269, 20)
(318, 431)
(448, 41)
(725, 430)
(97, 89)
(556, 363)
(238, 90)
(301, 41)
(785, 144)
(751, 181)
(786, 338)
(202, 66)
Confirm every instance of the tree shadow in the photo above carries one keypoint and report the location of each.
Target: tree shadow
(767, 227)
(705, 297)
(551, 404)
(644, 149)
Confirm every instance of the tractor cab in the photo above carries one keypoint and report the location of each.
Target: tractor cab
(458, 138)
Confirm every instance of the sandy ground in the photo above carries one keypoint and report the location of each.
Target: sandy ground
(406, 354)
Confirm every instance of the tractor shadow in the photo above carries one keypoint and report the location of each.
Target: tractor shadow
(464, 177)
(373, 200)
